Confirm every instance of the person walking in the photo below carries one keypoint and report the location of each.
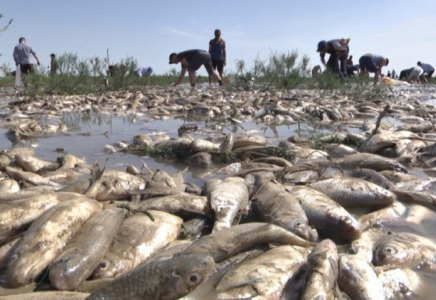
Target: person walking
(338, 50)
(23, 56)
(192, 60)
(53, 64)
(372, 63)
(217, 51)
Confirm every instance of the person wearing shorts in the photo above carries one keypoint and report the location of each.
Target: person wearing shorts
(338, 50)
(191, 61)
(23, 56)
(372, 63)
(217, 51)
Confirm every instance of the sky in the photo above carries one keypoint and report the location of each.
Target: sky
(402, 30)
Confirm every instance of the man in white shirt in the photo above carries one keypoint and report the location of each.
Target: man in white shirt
(143, 70)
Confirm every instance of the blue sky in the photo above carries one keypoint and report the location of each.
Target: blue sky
(404, 31)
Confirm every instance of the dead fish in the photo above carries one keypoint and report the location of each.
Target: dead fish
(85, 251)
(245, 141)
(372, 176)
(137, 239)
(354, 192)
(48, 295)
(29, 177)
(422, 198)
(397, 177)
(116, 185)
(419, 185)
(363, 246)
(263, 276)
(339, 150)
(17, 215)
(369, 161)
(179, 144)
(201, 159)
(227, 144)
(227, 199)
(400, 284)
(46, 237)
(230, 241)
(386, 139)
(277, 206)
(63, 176)
(382, 216)
(417, 214)
(183, 273)
(9, 186)
(6, 252)
(401, 249)
(326, 215)
(281, 162)
(301, 177)
(183, 205)
(69, 161)
(358, 279)
(33, 164)
(200, 145)
(323, 271)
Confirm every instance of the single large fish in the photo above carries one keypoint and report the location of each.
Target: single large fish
(228, 242)
(354, 192)
(263, 276)
(227, 199)
(358, 279)
(138, 238)
(46, 237)
(326, 215)
(277, 206)
(382, 216)
(85, 251)
(323, 271)
(369, 161)
(33, 164)
(168, 279)
(405, 250)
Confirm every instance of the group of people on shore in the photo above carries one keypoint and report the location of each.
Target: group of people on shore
(341, 63)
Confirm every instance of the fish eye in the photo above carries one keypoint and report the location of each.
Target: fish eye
(103, 265)
(298, 224)
(193, 278)
(14, 257)
(389, 250)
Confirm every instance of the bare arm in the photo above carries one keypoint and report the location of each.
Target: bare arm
(323, 59)
(182, 75)
(210, 48)
(37, 59)
(225, 54)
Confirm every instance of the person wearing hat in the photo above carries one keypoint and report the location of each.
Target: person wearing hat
(143, 70)
(192, 60)
(338, 50)
(53, 64)
(372, 63)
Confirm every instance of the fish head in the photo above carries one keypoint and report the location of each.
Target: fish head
(300, 227)
(351, 227)
(110, 266)
(189, 271)
(388, 252)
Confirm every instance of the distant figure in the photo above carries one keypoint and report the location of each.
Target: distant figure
(23, 56)
(404, 74)
(372, 63)
(143, 70)
(428, 69)
(350, 61)
(338, 50)
(53, 64)
(192, 60)
(389, 74)
(316, 71)
(415, 74)
(217, 51)
(116, 70)
(394, 74)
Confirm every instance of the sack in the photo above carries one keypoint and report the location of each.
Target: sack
(18, 79)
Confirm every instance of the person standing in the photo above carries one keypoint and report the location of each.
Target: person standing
(217, 51)
(143, 70)
(372, 63)
(428, 69)
(338, 50)
(23, 56)
(192, 60)
(53, 64)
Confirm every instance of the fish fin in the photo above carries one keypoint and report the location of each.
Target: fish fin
(150, 170)
(96, 177)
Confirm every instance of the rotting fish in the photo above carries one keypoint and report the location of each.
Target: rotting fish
(400, 284)
(29, 177)
(372, 176)
(228, 242)
(301, 177)
(277, 206)
(48, 295)
(369, 161)
(137, 239)
(46, 237)
(201, 159)
(263, 276)
(323, 271)
(422, 198)
(33, 164)
(358, 279)
(227, 199)
(183, 205)
(354, 192)
(245, 141)
(417, 214)
(116, 185)
(85, 251)
(167, 279)
(227, 144)
(200, 145)
(363, 246)
(402, 249)
(326, 215)
(382, 216)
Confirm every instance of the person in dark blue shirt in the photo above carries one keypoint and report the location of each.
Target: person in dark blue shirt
(217, 51)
